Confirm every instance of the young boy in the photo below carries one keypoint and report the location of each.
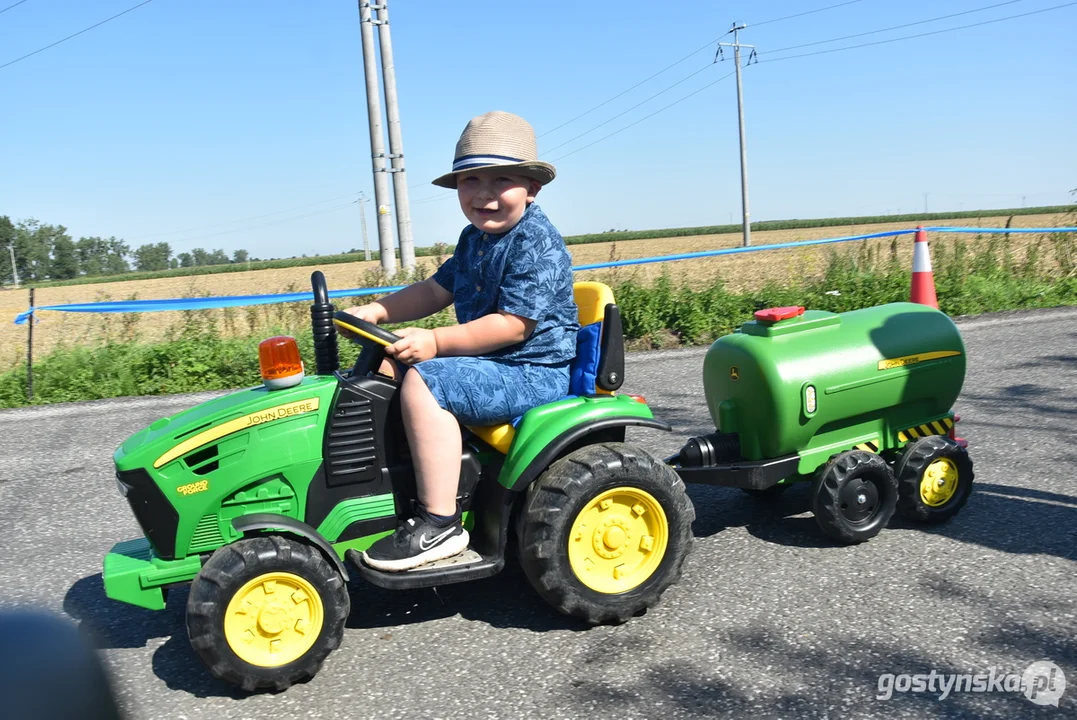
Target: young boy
(510, 278)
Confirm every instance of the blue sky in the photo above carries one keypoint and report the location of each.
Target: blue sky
(243, 124)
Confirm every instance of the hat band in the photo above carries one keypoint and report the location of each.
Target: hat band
(472, 161)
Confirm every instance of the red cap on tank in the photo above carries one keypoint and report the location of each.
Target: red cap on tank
(773, 315)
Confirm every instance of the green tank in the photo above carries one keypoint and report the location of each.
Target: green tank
(815, 383)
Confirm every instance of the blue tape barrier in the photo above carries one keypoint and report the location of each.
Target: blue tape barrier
(999, 231)
(212, 303)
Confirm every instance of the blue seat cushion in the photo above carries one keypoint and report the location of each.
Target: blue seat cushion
(584, 369)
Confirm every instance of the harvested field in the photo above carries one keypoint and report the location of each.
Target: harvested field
(738, 272)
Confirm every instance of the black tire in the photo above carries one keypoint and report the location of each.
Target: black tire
(914, 462)
(854, 496)
(227, 571)
(567, 488)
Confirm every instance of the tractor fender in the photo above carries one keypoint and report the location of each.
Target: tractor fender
(558, 446)
(269, 521)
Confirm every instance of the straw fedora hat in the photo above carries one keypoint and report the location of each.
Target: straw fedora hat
(498, 139)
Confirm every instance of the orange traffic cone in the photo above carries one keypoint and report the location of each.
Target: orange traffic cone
(923, 280)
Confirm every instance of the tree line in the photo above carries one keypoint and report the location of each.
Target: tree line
(47, 252)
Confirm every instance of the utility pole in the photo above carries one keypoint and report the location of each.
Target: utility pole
(14, 270)
(377, 142)
(396, 142)
(362, 221)
(925, 203)
(740, 113)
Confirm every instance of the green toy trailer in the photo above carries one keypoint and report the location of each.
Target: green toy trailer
(258, 498)
(859, 402)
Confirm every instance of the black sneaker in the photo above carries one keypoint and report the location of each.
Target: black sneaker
(416, 542)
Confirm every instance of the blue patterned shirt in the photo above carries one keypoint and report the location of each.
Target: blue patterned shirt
(526, 271)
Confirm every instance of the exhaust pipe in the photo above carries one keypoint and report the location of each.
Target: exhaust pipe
(326, 355)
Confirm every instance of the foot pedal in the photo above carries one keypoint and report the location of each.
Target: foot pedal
(468, 565)
(467, 557)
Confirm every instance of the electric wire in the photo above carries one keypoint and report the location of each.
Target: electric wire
(919, 35)
(808, 12)
(268, 224)
(35, 52)
(20, 2)
(248, 219)
(893, 27)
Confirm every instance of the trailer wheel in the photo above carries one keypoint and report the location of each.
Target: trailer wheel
(854, 496)
(265, 612)
(604, 531)
(934, 479)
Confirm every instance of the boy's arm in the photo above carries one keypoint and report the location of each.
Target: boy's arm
(413, 302)
(483, 335)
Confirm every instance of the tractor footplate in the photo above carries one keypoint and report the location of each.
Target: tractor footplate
(468, 565)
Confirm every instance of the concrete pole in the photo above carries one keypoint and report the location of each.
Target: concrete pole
(743, 151)
(14, 270)
(377, 143)
(362, 221)
(396, 143)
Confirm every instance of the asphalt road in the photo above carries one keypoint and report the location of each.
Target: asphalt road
(770, 618)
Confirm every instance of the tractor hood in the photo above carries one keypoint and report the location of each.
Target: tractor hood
(173, 436)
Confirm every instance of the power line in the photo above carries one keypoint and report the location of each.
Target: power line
(894, 27)
(247, 219)
(642, 102)
(20, 2)
(808, 12)
(269, 224)
(920, 35)
(641, 82)
(35, 52)
(637, 122)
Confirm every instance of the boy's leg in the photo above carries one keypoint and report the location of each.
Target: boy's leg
(436, 445)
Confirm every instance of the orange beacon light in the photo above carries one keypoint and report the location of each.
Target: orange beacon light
(281, 365)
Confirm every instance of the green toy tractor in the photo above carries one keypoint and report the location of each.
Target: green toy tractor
(263, 500)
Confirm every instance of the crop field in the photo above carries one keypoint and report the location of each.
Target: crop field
(739, 272)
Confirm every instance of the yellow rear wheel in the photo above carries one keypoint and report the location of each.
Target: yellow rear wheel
(274, 619)
(618, 540)
(939, 483)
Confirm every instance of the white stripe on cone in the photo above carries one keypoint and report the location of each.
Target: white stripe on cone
(921, 258)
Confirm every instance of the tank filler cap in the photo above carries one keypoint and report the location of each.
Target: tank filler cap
(773, 315)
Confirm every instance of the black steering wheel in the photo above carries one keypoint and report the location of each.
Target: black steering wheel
(369, 337)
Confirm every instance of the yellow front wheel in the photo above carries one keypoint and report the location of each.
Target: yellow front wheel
(934, 479)
(605, 531)
(618, 540)
(274, 619)
(265, 612)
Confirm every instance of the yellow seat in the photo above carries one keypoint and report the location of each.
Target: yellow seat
(591, 301)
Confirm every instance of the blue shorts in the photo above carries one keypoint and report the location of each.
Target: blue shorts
(481, 391)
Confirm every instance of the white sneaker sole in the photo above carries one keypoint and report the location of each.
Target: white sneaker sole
(452, 546)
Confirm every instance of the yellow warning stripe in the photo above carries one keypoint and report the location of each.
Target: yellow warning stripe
(935, 427)
(871, 446)
(257, 418)
(914, 359)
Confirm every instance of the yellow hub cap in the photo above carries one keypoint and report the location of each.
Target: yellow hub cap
(273, 620)
(939, 482)
(618, 540)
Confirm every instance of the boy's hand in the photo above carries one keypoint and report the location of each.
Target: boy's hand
(415, 345)
(371, 312)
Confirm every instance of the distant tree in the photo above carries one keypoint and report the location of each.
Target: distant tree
(200, 256)
(64, 264)
(173, 264)
(185, 260)
(217, 257)
(7, 239)
(116, 258)
(92, 255)
(240, 256)
(154, 256)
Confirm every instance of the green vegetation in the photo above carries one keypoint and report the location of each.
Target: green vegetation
(46, 256)
(971, 277)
